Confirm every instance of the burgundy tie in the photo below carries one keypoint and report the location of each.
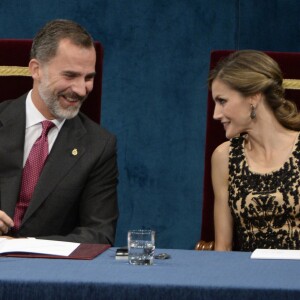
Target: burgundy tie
(31, 172)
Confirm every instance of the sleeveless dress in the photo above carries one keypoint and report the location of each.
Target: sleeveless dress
(265, 207)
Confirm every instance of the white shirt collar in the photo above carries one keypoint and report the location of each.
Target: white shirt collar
(33, 116)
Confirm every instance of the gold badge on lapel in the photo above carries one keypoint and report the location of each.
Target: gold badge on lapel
(74, 152)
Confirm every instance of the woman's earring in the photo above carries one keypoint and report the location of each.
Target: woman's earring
(253, 112)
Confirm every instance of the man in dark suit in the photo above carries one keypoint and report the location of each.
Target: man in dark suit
(75, 197)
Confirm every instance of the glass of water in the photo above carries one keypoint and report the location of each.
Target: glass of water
(141, 245)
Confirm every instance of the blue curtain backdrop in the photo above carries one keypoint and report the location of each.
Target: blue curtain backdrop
(154, 90)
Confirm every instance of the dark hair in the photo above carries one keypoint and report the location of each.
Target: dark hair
(46, 41)
(250, 72)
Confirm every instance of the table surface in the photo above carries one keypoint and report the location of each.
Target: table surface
(187, 274)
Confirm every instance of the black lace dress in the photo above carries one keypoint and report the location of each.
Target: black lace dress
(265, 207)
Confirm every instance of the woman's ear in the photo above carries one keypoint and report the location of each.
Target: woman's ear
(34, 69)
(256, 99)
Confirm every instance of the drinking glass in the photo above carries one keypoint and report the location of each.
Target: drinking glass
(141, 245)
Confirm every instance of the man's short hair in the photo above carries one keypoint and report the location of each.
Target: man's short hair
(46, 41)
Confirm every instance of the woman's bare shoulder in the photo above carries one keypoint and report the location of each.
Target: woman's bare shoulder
(222, 151)
(220, 170)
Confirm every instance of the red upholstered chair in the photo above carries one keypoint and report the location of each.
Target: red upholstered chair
(289, 63)
(15, 79)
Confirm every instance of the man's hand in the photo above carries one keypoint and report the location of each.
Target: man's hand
(5, 223)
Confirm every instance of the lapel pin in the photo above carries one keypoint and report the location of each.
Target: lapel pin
(74, 152)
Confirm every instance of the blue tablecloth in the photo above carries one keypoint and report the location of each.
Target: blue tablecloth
(187, 275)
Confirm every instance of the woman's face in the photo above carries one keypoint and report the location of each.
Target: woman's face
(231, 109)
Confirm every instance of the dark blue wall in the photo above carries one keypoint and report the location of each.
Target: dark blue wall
(154, 90)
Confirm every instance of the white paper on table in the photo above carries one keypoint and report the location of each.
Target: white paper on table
(37, 246)
(275, 254)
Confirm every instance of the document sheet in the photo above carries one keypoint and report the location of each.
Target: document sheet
(275, 254)
(30, 245)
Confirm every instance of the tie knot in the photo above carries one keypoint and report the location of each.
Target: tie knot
(47, 125)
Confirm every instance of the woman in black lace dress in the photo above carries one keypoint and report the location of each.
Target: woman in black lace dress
(256, 174)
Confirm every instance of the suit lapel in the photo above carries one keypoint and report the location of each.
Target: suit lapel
(12, 134)
(67, 150)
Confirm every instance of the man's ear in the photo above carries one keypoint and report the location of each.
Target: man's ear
(34, 69)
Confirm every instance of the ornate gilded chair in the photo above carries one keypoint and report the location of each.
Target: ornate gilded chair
(289, 63)
(15, 79)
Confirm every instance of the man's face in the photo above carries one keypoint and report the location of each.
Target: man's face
(66, 80)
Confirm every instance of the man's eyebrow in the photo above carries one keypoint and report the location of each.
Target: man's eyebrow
(73, 73)
(93, 74)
